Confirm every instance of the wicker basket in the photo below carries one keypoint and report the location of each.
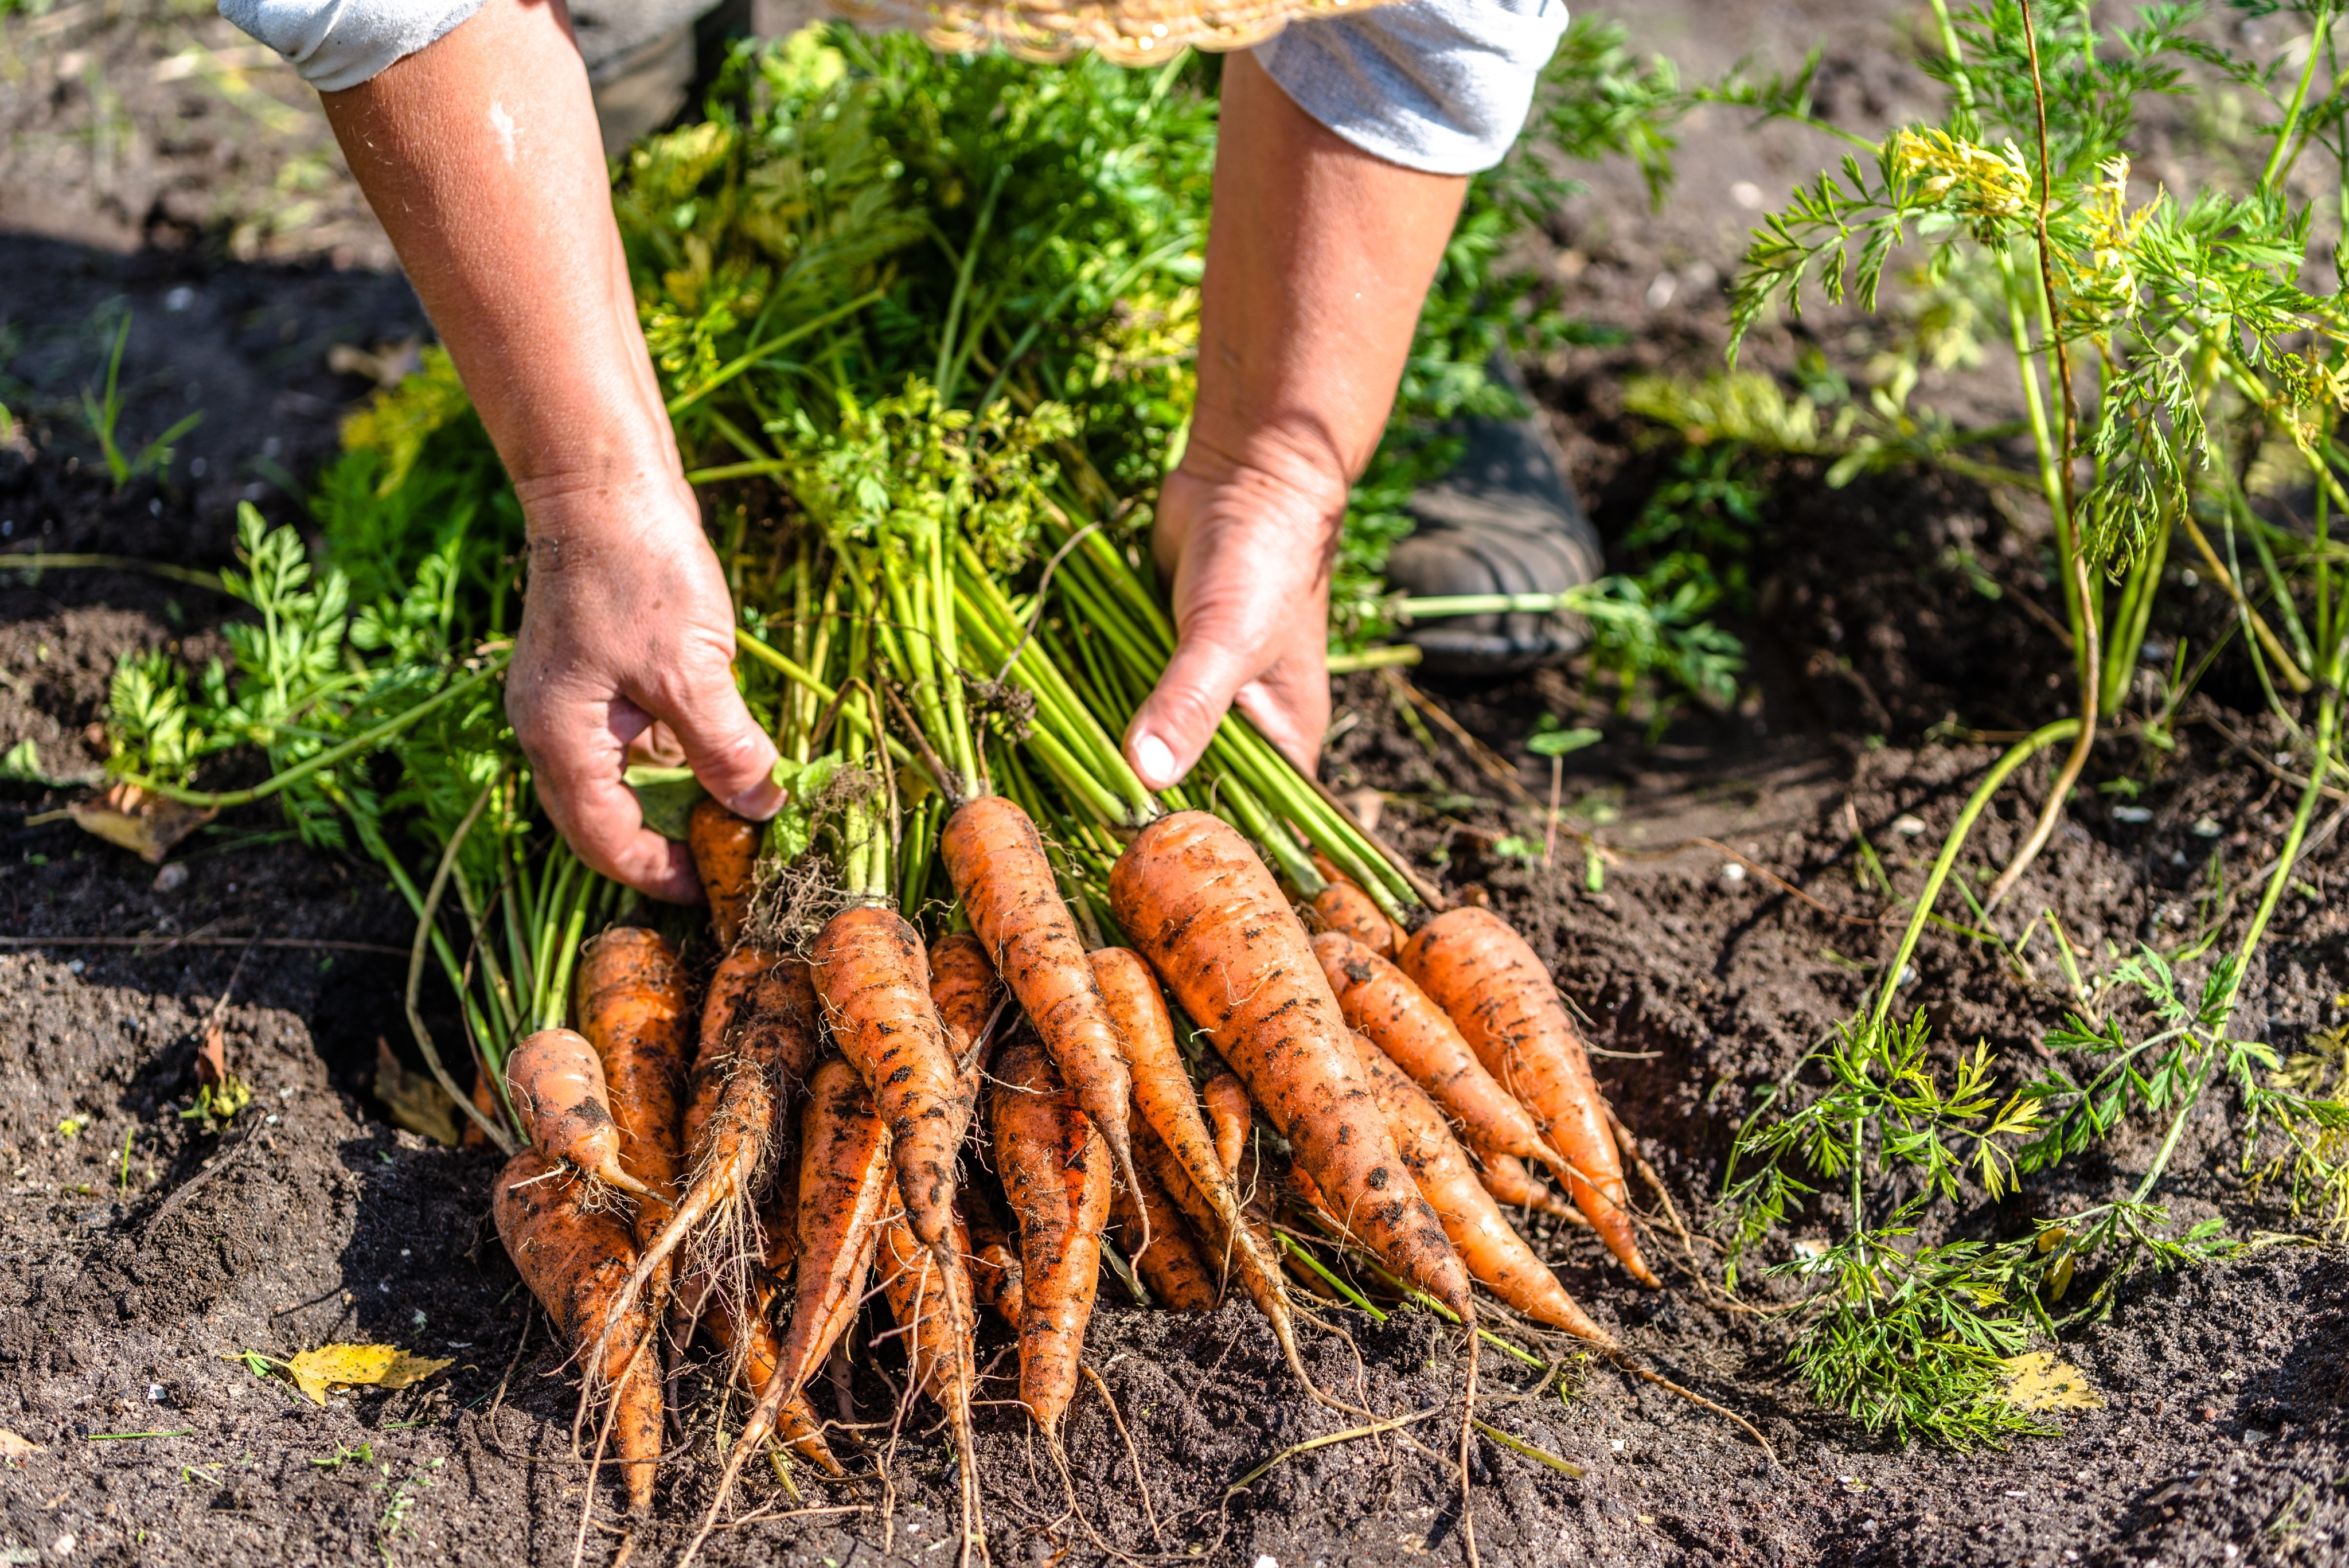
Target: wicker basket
(1125, 32)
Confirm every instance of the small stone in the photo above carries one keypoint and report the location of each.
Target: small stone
(2132, 813)
(171, 877)
(1732, 876)
(2207, 827)
(1908, 826)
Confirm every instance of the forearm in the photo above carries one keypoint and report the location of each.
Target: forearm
(1319, 258)
(480, 156)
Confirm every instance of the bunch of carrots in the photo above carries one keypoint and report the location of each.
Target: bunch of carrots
(845, 1095)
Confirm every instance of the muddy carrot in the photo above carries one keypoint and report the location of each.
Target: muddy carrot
(933, 1305)
(1208, 916)
(1493, 1253)
(632, 1008)
(558, 1088)
(1501, 998)
(875, 981)
(843, 1183)
(994, 1261)
(1228, 1114)
(1342, 906)
(1164, 1098)
(726, 854)
(1056, 1171)
(1380, 1001)
(759, 1353)
(576, 1261)
(996, 859)
(1513, 1187)
(1179, 1276)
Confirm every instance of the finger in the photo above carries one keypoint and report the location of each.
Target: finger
(734, 758)
(576, 750)
(1174, 726)
(1290, 707)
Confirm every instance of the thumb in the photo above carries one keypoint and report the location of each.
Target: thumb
(734, 758)
(1166, 737)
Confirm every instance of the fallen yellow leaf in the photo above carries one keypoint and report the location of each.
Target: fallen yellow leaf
(146, 825)
(13, 1447)
(355, 1366)
(2036, 1380)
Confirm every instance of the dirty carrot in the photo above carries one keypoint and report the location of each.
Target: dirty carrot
(726, 855)
(1208, 916)
(1055, 1167)
(1342, 906)
(875, 981)
(632, 1008)
(996, 860)
(1493, 1253)
(1169, 1108)
(576, 1261)
(843, 1183)
(1513, 1187)
(558, 1089)
(1380, 1001)
(1500, 996)
(1179, 1278)
(933, 1307)
(1228, 1114)
(994, 1262)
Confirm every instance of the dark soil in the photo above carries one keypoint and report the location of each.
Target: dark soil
(141, 1253)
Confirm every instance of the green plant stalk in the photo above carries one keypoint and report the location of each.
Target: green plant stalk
(2276, 162)
(46, 563)
(2131, 617)
(2016, 755)
(2327, 728)
(371, 739)
(427, 930)
(733, 368)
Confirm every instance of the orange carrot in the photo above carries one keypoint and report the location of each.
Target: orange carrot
(1513, 1187)
(558, 1088)
(843, 1182)
(576, 1260)
(1498, 993)
(632, 1008)
(1169, 1108)
(875, 983)
(994, 1262)
(1228, 1114)
(760, 1353)
(933, 1307)
(1380, 1001)
(996, 859)
(1210, 918)
(1493, 1253)
(485, 1100)
(1055, 1167)
(1170, 1264)
(726, 854)
(967, 996)
(1342, 906)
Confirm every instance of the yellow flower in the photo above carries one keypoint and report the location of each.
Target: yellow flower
(1973, 181)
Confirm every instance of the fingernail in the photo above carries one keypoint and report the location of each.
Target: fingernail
(758, 803)
(1154, 762)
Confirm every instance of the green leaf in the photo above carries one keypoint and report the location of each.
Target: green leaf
(1558, 743)
(667, 796)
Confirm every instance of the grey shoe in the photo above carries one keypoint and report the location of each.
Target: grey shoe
(1503, 522)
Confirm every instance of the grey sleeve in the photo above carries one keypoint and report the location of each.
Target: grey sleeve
(338, 43)
(1440, 86)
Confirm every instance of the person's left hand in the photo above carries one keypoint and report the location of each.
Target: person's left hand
(1247, 550)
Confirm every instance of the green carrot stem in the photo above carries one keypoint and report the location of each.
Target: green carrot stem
(388, 730)
(733, 368)
(2020, 752)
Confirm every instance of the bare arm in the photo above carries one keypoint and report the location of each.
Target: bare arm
(480, 156)
(1319, 258)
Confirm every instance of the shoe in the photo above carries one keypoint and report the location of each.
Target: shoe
(1503, 522)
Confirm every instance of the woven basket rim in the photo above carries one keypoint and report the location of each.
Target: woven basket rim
(1127, 31)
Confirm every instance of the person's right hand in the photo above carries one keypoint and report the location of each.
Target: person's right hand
(627, 621)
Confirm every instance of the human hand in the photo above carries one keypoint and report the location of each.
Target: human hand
(627, 621)
(1247, 547)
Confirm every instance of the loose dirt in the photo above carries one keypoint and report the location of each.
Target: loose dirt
(142, 1253)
